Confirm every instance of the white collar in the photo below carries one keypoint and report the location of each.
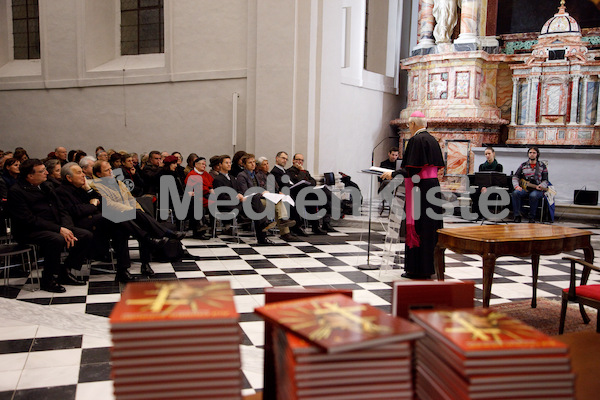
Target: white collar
(198, 172)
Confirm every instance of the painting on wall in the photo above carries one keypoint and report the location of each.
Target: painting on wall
(457, 157)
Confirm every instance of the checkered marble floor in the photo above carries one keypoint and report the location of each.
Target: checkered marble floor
(56, 346)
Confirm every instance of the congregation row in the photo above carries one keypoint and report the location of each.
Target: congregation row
(57, 203)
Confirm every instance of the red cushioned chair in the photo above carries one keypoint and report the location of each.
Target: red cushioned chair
(584, 294)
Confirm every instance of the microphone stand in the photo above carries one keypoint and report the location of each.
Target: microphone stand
(368, 265)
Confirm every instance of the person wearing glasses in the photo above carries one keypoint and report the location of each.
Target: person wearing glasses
(38, 217)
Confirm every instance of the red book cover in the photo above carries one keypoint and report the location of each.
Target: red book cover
(481, 332)
(495, 364)
(189, 356)
(337, 324)
(410, 295)
(272, 295)
(171, 303)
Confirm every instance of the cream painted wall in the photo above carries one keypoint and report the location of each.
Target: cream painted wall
(282, 57)
(184, 116)
(353, 119)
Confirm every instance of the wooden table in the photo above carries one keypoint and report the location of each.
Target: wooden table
(522, 240)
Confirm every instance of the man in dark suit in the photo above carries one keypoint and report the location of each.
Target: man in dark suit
(224, 180)
(38, 217)
(84, 205)
(278, 170)
(297, 174)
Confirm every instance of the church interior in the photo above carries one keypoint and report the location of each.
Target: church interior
(334, 80)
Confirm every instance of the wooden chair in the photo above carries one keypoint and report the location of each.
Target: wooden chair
(584, 294)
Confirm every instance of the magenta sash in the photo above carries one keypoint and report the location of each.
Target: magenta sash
(412, 239)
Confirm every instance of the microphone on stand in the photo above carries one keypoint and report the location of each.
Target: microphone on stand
(368, 265)
(377, 145)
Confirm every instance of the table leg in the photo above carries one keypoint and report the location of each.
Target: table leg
(439, 262)
(489, 265)
(589, 254)
(535, 267)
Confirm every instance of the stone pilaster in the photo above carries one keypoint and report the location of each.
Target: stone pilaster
(515, 102)
(574, 100)
(532, 103)
(583, 105)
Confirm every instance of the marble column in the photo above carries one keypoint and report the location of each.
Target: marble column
(532, 103)
(574, 100)
(583, 108)
(425, 42)
(467, 39)
(515, 102)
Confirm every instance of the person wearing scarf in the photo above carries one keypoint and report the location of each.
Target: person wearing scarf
(422, 157)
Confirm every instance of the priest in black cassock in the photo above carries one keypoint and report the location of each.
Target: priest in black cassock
(422, 157)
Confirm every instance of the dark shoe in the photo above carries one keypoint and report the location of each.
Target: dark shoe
(531, 220)
(176, 235)
(147, 270)
(517, 219)
(288, 237)
(327, 227)
(158, 243)
(318, 231)
(202, 235)
(52, 287)
(70, 280)
(409, 275)
(286, 223)
(298, 231)
(269, 225)
(265, 242)
(124, 276)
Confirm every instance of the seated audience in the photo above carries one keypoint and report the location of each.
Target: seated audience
(119, 199)
(237, 166)
(249, 178)
(38, 217)
(83, 205)
(224, 180)
(53, 167)
(297, 174)
(150, 172)
(202, 183)
(10, 171)
(214, 166)
(61, 155)
(132, 176)
(21, 154)
(190, 163)
(115, 160)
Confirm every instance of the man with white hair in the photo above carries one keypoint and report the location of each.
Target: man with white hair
(422, 157)
(87, 165)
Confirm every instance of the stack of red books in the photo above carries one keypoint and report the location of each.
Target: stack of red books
(176, 340)
(478, 353)
(331, 347)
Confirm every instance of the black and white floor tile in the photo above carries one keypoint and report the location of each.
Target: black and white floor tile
(56, 346)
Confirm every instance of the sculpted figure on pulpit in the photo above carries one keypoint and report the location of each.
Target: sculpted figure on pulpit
(445, 13)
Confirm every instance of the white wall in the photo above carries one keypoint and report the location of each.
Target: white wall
(568, 169)
(282, 57)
